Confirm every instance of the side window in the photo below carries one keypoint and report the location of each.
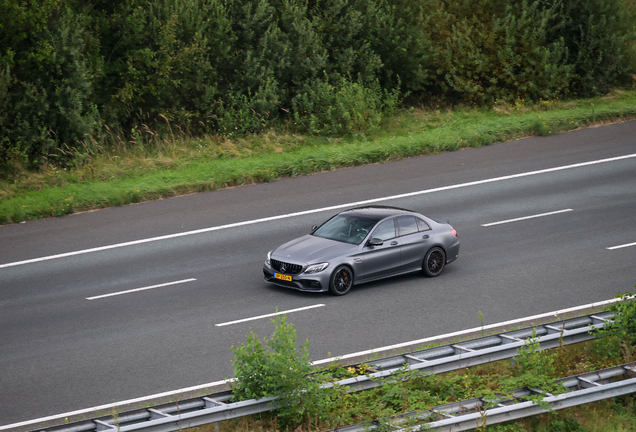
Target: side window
(407, 225)
(423, 226)
(385, 231)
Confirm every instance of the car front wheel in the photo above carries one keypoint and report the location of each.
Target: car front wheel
(341, 281)
(434, 262)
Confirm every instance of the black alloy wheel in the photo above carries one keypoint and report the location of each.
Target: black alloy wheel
(341, 281)
(434, 262)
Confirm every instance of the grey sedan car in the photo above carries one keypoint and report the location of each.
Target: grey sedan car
(362, 245)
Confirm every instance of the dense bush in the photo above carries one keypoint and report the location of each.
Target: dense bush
(344, 107)
(162, 58)
(70, 69)
(618, 337)
(503, 54)
(281, 370)
(598, 35)
(48, 67)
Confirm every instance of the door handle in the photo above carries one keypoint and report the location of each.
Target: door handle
(425, 236)
(394, 243)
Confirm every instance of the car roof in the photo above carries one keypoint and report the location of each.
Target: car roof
(376, 212)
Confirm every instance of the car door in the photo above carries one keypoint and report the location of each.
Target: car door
(381, 260)
(413, 242)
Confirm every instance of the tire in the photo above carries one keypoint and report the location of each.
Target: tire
(434, 262)
(341, 280)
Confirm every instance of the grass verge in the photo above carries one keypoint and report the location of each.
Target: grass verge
(153, 167)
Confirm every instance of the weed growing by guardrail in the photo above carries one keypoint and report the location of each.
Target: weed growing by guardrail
(115, 416)
(275, 367)
(618, 338)
(534, 369)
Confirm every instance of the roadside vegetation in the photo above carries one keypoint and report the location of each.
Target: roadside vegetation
(105, 103)
(170, 165)
(278, 367)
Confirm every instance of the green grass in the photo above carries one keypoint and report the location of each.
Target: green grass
(157, 167)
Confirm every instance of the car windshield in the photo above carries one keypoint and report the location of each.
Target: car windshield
(346, 228)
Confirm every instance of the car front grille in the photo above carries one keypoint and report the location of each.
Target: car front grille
(287, 268)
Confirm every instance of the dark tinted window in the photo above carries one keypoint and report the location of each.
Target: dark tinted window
(407, 225)
(345, 228)
(423, 226)
(385, 231)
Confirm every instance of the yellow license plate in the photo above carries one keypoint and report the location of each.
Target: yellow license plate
(282, 277)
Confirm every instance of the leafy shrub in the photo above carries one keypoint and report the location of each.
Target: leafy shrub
(401, 34)
(490, 55)
(246, 113)
(162, 62)
(532, 362)
(345, 107)
(274, 367)
(597, 35)
(618, 337)
(344, 27)
(46, 82)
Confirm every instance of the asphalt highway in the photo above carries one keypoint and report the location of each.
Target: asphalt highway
(65, 346)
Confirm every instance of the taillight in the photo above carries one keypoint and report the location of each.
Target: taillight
(453, 232)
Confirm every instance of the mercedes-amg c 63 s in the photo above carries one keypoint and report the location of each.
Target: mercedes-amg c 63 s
(362, 245)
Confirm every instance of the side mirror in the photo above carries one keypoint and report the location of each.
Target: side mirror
(314, 228)
(375, 242)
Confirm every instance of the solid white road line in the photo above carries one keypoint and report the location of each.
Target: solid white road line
(306, 212)
(329, 360)
(621, 246)
(140, 289)
(268, 315)
(526, 217)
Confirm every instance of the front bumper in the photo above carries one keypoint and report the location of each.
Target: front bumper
(316, 282)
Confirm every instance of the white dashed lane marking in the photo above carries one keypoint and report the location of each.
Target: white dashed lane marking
(269, 315)
(527, 217)
(140, 289)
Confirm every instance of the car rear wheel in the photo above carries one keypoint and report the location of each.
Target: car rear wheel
(434, 262)
(341, 281)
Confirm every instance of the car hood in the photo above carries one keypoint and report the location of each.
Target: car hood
(311, 249)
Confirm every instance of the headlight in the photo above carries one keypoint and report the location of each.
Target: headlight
(269, 258)
(315, 268)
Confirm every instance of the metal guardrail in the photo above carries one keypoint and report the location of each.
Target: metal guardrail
(473, 413)
(217, 407)
(488, 349)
